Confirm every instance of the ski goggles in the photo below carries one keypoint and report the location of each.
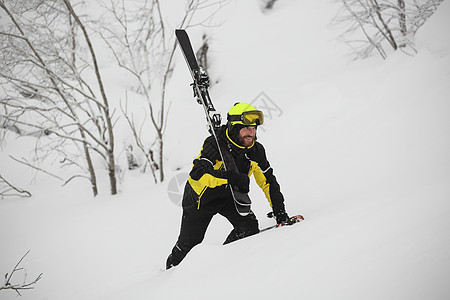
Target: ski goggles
(252, 117)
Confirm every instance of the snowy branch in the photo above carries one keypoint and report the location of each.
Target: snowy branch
(19, 286)
(374, 24)
(25, 162)
(138, 139)
(7, 189)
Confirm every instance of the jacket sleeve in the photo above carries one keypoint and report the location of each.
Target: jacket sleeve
(207, 171)
(263, 173)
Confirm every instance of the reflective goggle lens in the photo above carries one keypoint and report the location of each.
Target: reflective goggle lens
(253, 117)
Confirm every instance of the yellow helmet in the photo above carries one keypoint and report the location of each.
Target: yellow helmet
(245, 114)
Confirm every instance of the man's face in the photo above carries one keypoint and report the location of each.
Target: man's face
(247, 136)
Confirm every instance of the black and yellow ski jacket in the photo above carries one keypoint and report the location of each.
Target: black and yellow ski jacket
(208, 178)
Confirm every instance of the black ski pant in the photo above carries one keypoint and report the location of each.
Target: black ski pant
(196, 220)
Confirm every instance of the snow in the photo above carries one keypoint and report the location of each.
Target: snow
(361, 149)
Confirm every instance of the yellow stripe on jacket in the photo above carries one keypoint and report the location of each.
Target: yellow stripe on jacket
(260, 180)
(206, 181)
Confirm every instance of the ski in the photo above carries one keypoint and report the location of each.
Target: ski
(292, 220)
(200, 85)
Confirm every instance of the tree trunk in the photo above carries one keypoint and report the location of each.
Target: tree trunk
(402, 20)
(388, 35)
(110, 150)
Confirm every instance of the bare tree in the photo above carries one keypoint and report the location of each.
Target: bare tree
(202, 54)
(402, 18)
(419, 11)
(104, 108)
(47, 64)
(42, 75)
(17, 287)
(137, 134)
(144, 46)
(371, 25)
(33, 83)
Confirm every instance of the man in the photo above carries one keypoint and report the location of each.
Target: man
(207, 192)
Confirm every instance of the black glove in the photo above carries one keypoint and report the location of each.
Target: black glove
(239, 180)
(281, 217)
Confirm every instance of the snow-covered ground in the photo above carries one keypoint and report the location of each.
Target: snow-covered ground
(361, 149)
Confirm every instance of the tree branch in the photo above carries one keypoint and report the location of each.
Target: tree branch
(21, 286)
(6, 187)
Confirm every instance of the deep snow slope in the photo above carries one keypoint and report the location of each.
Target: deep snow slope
(361, 149)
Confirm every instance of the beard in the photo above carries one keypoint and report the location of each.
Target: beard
(247, 140)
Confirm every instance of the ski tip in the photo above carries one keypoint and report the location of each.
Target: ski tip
(179, 32)
(298, 218)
